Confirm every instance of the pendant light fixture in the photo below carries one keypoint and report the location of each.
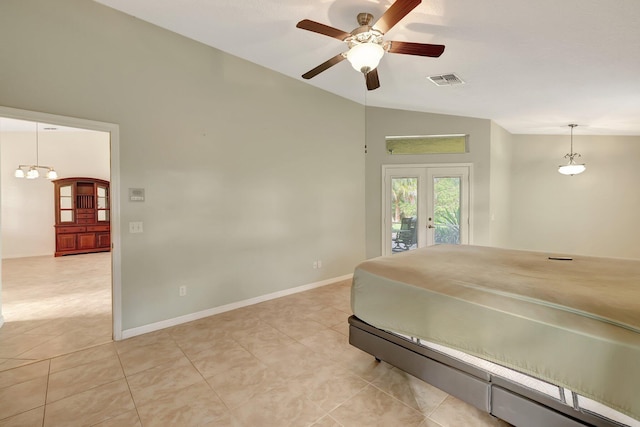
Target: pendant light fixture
(32, 170)
(572, 168)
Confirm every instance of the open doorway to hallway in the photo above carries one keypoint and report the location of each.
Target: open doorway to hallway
(50, 305)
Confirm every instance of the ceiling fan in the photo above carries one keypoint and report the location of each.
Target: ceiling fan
(366, 44)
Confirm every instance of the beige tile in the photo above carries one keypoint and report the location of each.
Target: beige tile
(279, 406)
(329, 317)
(236, 323)
(454, 412)
(137, 358)
(24, 373)
(263, 340)
(32, 418)
(373, 407)
(140, 341)
(242, 381)
(19, 327)
(22, 397)
(297, 329)
(54, 306)
(82, 357)
(92, 325)
(282, 362)
(196, 336)
(364, 365)
(428, 422)
(196, 405)
(282, 310)
(90, 407)
(83, 377)
(126, 419)
(329, 343)
(54, 326)
(296, 361)
(162, 381)
(327, 421)
(62, 344)
(342, 328)
(410, 390)
(15, 346)
(329, 389)
(221, 358)
(6, 364)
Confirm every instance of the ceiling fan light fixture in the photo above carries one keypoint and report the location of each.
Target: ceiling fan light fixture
(365, 57)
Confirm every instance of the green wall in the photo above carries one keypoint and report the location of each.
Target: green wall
(250, 175)
(383, 122)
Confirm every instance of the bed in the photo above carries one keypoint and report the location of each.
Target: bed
(532, 338)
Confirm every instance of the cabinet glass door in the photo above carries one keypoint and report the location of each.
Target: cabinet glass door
(103, 203)
(66, 203)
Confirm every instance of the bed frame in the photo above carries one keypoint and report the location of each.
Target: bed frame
(498, 396)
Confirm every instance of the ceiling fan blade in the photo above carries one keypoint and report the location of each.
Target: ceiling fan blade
(372, 79)
(420, 49)
(319, 28)
(395, 13)
(322, 67)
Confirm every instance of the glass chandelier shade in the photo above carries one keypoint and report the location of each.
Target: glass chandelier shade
(572, 168)
(365, 57)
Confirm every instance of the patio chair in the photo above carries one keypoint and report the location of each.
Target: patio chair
(407, 235)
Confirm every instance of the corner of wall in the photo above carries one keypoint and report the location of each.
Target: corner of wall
(500, 185)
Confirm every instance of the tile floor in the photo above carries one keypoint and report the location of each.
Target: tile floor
(53, 306)
(285, 362)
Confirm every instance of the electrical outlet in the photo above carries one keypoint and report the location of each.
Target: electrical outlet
(315, 264)
(319, 263)
(182, 290)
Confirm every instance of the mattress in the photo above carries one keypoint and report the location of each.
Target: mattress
(560, 394)
(571, 323)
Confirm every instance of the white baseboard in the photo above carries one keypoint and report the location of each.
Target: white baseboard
(128, 333)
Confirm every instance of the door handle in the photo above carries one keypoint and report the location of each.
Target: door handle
(430, 226)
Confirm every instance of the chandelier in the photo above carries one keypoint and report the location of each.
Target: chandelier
(33, 171)
(572, 168)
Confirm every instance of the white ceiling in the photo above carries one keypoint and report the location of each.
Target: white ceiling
(531, 66)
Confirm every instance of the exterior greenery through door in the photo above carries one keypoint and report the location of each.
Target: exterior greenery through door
(446, 219)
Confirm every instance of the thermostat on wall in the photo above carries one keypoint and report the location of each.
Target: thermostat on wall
(136, 194)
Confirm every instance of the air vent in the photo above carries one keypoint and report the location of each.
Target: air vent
(446, 80)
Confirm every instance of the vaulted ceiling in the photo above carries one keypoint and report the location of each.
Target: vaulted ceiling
(533, 67)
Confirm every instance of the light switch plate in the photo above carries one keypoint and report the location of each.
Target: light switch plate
(135, 227)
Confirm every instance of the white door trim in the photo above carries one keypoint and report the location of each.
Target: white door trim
(385, 242)
(114, 130)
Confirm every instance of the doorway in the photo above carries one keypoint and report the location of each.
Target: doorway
(424, 205)
(113, 263)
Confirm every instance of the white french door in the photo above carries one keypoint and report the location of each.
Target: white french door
(424, 205)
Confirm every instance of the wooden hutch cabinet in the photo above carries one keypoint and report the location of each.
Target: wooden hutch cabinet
(82, 216)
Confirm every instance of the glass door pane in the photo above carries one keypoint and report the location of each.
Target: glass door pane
(446, 210)
(448, 206)
(66, 204)
(102, 194)
(404, 214)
